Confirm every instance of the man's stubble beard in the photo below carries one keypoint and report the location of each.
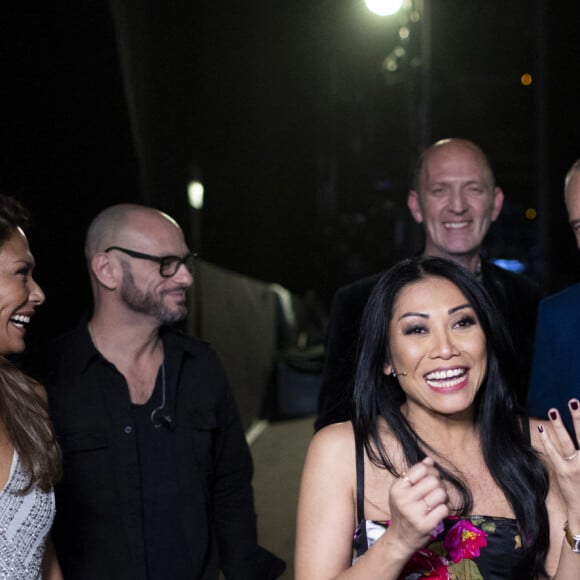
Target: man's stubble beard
(147, 303)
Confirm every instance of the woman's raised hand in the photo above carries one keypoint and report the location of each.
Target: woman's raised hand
(418, 502)
(563, 455)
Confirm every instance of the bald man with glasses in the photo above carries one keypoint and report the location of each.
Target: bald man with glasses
(157, 472)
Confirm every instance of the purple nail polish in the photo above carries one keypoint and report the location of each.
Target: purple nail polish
(574, 405)
(541, 428)
(553, 415)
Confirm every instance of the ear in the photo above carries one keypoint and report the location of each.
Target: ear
(387, 369)
(104, 270)
(497, 203)
(414, 206)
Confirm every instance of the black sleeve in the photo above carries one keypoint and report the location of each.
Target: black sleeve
(335, 398)
(235, 518)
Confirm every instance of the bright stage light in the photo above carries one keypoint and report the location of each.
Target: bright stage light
(384, 7)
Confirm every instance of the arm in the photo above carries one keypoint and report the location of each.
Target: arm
(563, 462)
(541, 392)
(326, 516)
(50, 566)
(233, 501)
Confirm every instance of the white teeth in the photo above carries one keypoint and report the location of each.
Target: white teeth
(20, 320)
(445, 379)
(456, 225)
(441, 375)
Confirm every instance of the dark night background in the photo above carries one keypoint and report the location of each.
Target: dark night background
(303, 141)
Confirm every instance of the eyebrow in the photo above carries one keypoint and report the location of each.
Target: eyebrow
(426, 316)
(450, 180)
(26, 261)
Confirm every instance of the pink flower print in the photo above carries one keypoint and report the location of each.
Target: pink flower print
(436, 531)
(426, 564)
(464, 541)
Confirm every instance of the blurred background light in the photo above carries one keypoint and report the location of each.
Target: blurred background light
(531, 213)
(384, 7)
(403, 32)
(510, 264)
(195, 194)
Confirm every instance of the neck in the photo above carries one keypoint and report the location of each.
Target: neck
(444, 433)
(120, 339)
(470, 261)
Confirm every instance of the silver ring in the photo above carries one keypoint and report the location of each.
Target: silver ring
(571, 456)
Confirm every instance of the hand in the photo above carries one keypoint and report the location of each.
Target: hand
(418, 502)
(562, 454)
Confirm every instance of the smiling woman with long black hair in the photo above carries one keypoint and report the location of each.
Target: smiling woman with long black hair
(437, 475)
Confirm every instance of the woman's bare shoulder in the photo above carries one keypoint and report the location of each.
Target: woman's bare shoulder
(338, 436)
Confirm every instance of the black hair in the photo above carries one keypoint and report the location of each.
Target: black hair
(12, 216)
(504, 430)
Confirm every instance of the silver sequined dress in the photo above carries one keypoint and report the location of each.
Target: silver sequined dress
(25, 521)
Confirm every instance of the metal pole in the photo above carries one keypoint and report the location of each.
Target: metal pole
(542, 178)
(425, 106)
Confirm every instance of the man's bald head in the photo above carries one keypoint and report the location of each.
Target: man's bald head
(451, 146)
(114, 224)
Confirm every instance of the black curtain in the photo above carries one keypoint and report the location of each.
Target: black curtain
(160, 45)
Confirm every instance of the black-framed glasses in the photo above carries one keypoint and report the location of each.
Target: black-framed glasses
(168, 265)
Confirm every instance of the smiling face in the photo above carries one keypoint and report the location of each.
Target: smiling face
(436, 339)
(19, 293)
(455, 200)
(143, 289)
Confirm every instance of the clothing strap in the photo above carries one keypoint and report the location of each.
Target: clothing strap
(360, 478)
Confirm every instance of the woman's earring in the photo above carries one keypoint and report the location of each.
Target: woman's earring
(394, 373)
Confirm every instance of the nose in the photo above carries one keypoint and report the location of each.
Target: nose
(183, 275)
(443, 345)
(37, 296)
(456, 201)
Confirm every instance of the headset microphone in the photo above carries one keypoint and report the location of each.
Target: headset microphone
(167, 422)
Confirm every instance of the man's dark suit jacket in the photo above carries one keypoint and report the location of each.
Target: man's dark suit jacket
(556, 365)
(516, 296)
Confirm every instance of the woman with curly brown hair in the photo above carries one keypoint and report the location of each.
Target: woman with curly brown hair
(29, 454)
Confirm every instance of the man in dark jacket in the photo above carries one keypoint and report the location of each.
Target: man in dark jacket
(555, 377)
(156, 470)
(455, 198)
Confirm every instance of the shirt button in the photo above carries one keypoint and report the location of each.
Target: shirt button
(128, 429)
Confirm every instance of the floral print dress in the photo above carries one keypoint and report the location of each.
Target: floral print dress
(469, 548)
(460, 548)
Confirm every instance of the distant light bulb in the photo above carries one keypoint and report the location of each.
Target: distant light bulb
(531, 214)
(526, 79)
(195, 194)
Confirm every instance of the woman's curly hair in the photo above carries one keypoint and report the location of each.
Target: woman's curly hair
(23, 409)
